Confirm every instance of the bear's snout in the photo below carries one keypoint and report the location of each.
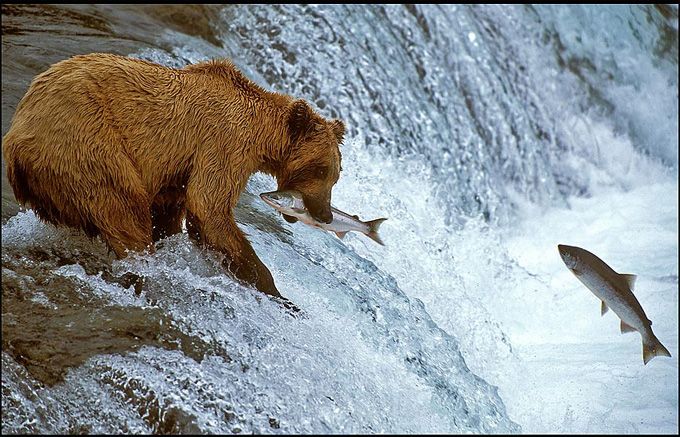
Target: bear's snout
(325, 217)
(319, 210)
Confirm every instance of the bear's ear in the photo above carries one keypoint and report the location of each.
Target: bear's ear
(338, 129)
(299, 119)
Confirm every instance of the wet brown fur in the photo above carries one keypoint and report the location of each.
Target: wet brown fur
(126, 149)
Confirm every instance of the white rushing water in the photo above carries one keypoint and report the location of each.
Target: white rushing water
(487, 135)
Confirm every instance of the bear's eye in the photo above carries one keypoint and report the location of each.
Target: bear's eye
(317, 171)
(307, 174)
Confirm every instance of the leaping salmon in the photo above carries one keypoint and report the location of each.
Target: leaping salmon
(615, 290)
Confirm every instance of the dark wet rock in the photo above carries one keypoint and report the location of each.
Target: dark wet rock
(54, 333)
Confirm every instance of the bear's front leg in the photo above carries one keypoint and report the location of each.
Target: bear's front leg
(221, 233)
(246, 265)
(212, 192)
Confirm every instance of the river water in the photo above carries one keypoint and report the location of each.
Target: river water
(486, 134)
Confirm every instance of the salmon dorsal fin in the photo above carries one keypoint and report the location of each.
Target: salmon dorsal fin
(341, 235)
(604, 309)
(626, 327)
(629, 279)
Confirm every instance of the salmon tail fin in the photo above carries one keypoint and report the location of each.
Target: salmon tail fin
(653, 348)
(373, 226)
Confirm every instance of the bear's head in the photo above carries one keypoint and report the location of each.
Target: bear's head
(312, 166)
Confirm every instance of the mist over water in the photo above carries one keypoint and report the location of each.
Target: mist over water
(487, 135)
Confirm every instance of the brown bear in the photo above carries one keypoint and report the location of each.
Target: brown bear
(127, 149)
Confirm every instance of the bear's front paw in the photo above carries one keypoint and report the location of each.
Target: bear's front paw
(290, 307)
(289, 219)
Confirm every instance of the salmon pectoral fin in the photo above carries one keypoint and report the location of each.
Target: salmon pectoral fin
(604, 309)
(626, 328)
(341, 235)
